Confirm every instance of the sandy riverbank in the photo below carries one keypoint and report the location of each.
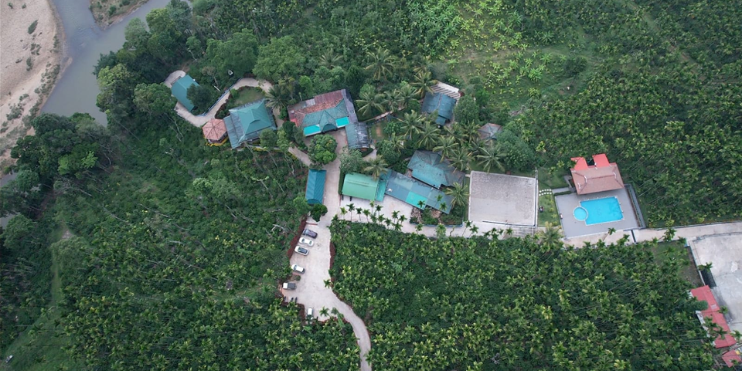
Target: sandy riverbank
(29, 65)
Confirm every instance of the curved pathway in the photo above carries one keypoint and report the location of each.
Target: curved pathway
(200, 120)
(311, 290)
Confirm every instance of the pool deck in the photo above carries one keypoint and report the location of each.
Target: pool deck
(572, 227)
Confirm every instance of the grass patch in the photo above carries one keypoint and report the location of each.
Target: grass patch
(377, 131)
(552, 180)
(245, 96)
(550, 214)
(671, 251)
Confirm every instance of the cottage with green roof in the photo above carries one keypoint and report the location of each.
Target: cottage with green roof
(361, 186)
(440, 103)
(315, 192)
(328, 112)
(429, 167)
(245, 123)
(180, 91)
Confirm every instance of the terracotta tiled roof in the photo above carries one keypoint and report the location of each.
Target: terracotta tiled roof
(704, 293)
(603, 176)
(214, 130)
(731, 357)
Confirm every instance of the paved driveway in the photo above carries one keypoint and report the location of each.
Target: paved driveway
(310, 289)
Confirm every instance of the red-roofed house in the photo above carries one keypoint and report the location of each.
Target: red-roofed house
(603, 176)
(215, 132)
(704, 293)
(731, 357)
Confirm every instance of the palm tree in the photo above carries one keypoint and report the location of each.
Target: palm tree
(404, 95)
(460, 159)
(412, 123)
(459, 194)
(369, 103)
(490, 157)
(324, 312)
(551, 235)
(376, 167)
(423, 82)
(343, 211)
(330, 59)
(428, 135)
(468, 131)
(446, 146)
(381, 64)
(274, 97)
(351, 208)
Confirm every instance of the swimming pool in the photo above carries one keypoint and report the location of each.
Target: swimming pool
(602, 210)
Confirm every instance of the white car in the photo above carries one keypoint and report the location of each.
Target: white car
(301, 250)
(310, 313)
(297, 268)
(306, 241)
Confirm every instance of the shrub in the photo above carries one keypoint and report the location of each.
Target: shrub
(32, 27)
(112, 10)
(29, 64)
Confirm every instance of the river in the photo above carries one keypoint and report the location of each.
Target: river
(76, 88)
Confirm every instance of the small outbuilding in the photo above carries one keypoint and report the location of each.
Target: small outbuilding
(215, 132)
(362, 186)
(489, 131)
(440, 103)
(315, 192)
(245, 123)
(180, 91)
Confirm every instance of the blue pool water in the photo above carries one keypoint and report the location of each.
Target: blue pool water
(580, 214)
(602, 210)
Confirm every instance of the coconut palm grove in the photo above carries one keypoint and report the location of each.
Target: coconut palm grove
(170, 238)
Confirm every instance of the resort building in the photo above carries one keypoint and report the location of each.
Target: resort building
(429, 167)
(441, 100)
(600, 177)
(315, 192)
(215, 132)
(328, 112)
(363, 186)
(704, 293)
(180, 91)
(245, 123)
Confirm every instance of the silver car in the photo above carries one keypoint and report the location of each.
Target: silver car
(301, 250)
(297, 268)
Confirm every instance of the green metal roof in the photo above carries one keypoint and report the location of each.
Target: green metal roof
(357, 135)
(430, 168)
(246, 122)
(361, 186)
(413, 192)
(315, 186)
(441, 103)
(180, 91)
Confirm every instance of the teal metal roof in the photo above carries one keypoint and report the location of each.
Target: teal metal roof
(430, 168)
(315, 186)
(326, 120)
(341, 122)
(441, 103)
(180, 91)
(357, 135)
(361, 186)
(413, 192)
(245, 123)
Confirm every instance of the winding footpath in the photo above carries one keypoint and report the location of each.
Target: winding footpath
(312, 290)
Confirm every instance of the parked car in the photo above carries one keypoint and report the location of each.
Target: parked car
(309, 233)
(310, 313)
(301, 250)
(297, 268)
(306, 241)
(289, 286)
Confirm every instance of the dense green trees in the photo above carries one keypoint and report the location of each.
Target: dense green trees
(515, 304)
(322, 149)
